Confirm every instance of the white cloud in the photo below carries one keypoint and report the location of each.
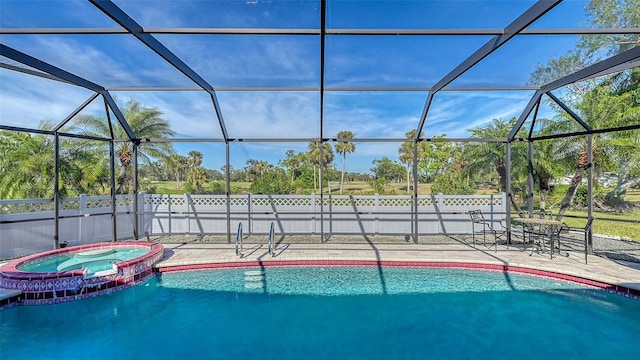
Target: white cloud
(26, 101)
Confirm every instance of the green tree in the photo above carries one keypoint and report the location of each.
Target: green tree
(293, 162)
(319, 158)
(437, 157)
(483, 156)
(195, 158)
(145, 122)
(176, 165)
(594, 100)
(387, 169)
(609, 104)
(272, 182)
(378, 185)
(545, 167)
(406, 154)
(27, 166)
(451, 183)
(343, 148)
(197, 177)
(255, 169)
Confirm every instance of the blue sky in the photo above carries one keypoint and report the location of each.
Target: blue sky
(277, 61)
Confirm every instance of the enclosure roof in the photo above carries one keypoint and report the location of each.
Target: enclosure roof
(296, 70)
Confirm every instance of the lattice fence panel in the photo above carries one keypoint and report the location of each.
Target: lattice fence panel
(26, 208)
(396, 202)
(471, 201)
(124, 201)
(342, 201)
(198, 201)
(98, 203)
(164, 201)
(70, 204)
(243, 201)
(284, 201)
(425, 202)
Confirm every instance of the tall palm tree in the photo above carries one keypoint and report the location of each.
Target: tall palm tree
(177, 166)
(145, 122)
(195, 158)
(317, 160)
(343, 148)
(406, 154)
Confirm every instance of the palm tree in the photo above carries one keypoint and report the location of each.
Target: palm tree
(544, 167)
(406, 154)
(491, 155)
(198, 176)
(343, 148)
(317, 160)
(27, 166)
(176, 165)
(256, 168)
(144, 122)
(24, 162)
(195, 158)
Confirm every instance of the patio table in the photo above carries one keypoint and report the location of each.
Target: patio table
(549, 227)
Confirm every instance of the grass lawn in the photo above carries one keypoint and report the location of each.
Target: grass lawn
(633, 195)
(605, 227)
(350, 188)
(363, 188)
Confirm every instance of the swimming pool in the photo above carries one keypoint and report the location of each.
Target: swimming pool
(332, 312)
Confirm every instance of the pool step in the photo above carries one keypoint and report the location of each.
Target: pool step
(254, 279)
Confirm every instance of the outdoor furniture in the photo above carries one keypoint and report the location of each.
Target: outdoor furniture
(546, 227)
(586, 230)
(481, 226)
(535, 230)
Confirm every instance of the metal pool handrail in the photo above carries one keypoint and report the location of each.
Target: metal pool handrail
(271, 242)
(239, 240)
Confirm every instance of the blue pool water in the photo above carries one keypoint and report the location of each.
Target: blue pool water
(331, 313)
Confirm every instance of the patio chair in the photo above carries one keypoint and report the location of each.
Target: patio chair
(486, 227)
(586, 229)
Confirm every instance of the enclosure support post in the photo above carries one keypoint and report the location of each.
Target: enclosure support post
(112, 171)
(321, 179)
(56, 191)
(508, 186)
(589, 235)
(228, 191)
(135, 191)
(530, 180)
(415, 192)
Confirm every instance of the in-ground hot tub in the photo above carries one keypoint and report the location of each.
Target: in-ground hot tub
(80, 271)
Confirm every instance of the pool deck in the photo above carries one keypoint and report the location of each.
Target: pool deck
(184, 256)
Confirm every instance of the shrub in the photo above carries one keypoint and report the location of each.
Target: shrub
(272, 182)
(451, 183)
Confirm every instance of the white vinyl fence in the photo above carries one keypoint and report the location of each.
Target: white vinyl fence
(27, 226)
